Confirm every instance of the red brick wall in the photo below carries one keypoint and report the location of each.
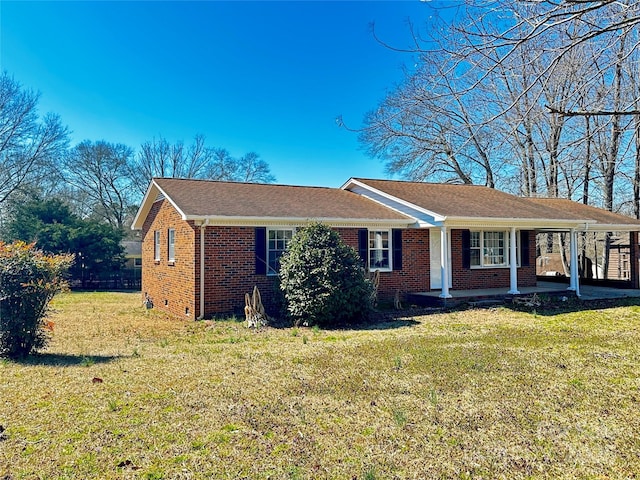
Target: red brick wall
(230, 272)
(466, 279)
(170, 286)
(230, 267)
(414, 276)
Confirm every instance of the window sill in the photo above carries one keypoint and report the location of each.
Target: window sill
(381, 270)
(171, 264)
(490, 267)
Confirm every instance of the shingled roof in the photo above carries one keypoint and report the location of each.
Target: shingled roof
(200, 199)
(449, 200)
(225, 201)
(475, 201)
(580, 210)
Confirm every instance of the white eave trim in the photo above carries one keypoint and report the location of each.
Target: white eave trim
(528, 223)
(612, 227)
(540, 224)
(295, 221)
(149, 199)
(145, 206)
(436, 216)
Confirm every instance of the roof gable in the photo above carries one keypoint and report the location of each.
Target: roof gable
(202, 199)
(480, 203)
(449, 200)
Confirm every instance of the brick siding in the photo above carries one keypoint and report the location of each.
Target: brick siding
(171, 286)
(230, 267)
(415, 273)
(470, 278)
(230, 272)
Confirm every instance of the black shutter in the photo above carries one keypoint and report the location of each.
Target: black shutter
(363, 245)
(396, 240)
(524, 248)
(466, 249)
(261, 250)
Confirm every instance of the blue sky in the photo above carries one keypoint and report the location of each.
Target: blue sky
(269, 77)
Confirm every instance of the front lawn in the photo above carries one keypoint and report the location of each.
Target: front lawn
(126, 393)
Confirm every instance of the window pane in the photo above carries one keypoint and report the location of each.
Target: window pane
(276, 246)
(379, 249)
(172, 244)
(475, 239)
(156, 245)
(475, 257)
(378, 259)
(494, 248)
(475, 249)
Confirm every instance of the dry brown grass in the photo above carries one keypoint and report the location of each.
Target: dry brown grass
(470, 394)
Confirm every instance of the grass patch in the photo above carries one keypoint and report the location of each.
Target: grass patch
(469, 394)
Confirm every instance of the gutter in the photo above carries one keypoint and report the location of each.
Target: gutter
(203, 228)
(262, 220)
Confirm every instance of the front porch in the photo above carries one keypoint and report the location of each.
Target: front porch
(500, 295)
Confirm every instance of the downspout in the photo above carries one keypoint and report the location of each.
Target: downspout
(203, 228)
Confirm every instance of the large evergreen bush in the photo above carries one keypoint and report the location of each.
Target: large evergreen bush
(322, 279)
(28, 281)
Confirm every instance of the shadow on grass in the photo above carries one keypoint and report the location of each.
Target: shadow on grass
(388, 322)
(550, 306)
(64, 360)
(377, 321)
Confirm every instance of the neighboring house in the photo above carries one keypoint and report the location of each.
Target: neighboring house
(132, 253)
(553, 265)
(550, 265)
(619, 260)
(206, 243)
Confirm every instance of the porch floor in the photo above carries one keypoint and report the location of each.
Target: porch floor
(587, 292)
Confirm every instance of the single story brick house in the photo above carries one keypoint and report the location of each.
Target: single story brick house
(206, 243)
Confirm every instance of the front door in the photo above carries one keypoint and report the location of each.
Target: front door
(434, 254)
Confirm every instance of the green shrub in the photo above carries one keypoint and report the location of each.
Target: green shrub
(322, 279)
(28, 281)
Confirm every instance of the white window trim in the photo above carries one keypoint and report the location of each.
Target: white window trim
(156, 245)
(171, 245)
(270, 271)
(390, 237)
(507, 240)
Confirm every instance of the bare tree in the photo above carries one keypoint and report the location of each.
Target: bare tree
(98, 174)
(29, 146)
(252, 168)
(159, 158)
(495, 93)
(500, 29)
(425, 130)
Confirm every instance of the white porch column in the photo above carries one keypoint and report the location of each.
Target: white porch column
(513, 263)
(574, 283)
(444, 262)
